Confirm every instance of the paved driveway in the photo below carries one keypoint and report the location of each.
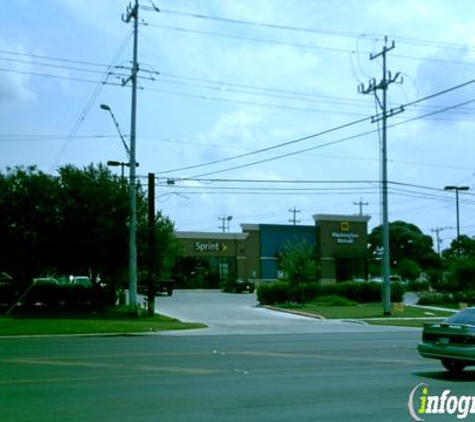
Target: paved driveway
(228, 313)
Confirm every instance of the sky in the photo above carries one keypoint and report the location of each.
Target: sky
(251, 108)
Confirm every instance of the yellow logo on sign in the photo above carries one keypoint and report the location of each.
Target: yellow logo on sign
(345, 226)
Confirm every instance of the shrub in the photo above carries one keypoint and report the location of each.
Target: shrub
(271, 293)
(363, 292)
(355, 292)
(304, 292)
(397, 292)
(435, 298)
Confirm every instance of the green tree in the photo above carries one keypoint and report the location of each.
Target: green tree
(459, 260)
(29, 217)
(166, 248)
(463, 247)
(74, 223)
(94, 214)
(410, 249)
(298, 263)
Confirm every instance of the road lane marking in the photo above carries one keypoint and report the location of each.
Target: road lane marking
(325, 357)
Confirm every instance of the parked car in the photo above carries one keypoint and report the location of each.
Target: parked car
(160, 286)
(451, 341)
(45, 281)
(239, 286)
(82, 280)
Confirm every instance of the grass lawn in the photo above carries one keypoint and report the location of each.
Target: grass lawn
(117, 321)
(372, 310)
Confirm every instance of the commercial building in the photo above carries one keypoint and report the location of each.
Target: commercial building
(339, 243)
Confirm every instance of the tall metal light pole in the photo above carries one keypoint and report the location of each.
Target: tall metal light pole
(457, 189)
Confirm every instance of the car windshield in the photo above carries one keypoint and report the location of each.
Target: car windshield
(467, 316)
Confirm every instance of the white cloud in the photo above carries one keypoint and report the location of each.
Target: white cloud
(15, 83)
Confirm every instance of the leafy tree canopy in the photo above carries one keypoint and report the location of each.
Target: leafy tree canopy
(72, 223)
(410, 248)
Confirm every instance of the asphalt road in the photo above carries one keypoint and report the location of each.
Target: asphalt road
(250, 365)
(304, 377)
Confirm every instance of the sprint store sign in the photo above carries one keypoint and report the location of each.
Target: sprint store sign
(202, 247)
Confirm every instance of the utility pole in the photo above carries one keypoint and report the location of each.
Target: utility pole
(294, 220)
(151, 245)
(133, 13)
(225, 223)
(373, 87)
(437, 231)
(361, 204)
(457, 189)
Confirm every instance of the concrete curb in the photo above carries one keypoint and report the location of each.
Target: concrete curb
(355, 321)
(292, 311)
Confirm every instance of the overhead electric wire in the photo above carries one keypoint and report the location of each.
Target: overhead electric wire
(236, 88)
(250, 39)
(273, 90)
(328, 131)
(344, 34)
(248, 154)
(91, 100)
(305, 46)
(289, 154)
(68, 78)
(252, 103)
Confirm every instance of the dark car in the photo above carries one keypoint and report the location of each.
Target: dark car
(451, 341)
(239, 286)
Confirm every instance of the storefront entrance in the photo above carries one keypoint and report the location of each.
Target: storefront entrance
(204, 272)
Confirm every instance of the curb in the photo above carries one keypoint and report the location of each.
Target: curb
(355, 321)
(294, 312)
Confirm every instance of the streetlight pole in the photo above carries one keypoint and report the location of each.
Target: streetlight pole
(457, 189)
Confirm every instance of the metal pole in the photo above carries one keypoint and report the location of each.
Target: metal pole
(457, 212)
(373, 87)
(132, 164)
(151, 244)
(386, 254)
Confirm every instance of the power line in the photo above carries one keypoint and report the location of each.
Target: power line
(285, 93)
(445, 91)
(250, 39)
(259, 151)
(317, 47)
(344, 34)
(333, 142)
(91, 100)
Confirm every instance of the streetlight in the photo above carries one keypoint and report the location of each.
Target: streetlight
(457, 189)
(120, 164)
(106, 107)
(133, 211)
